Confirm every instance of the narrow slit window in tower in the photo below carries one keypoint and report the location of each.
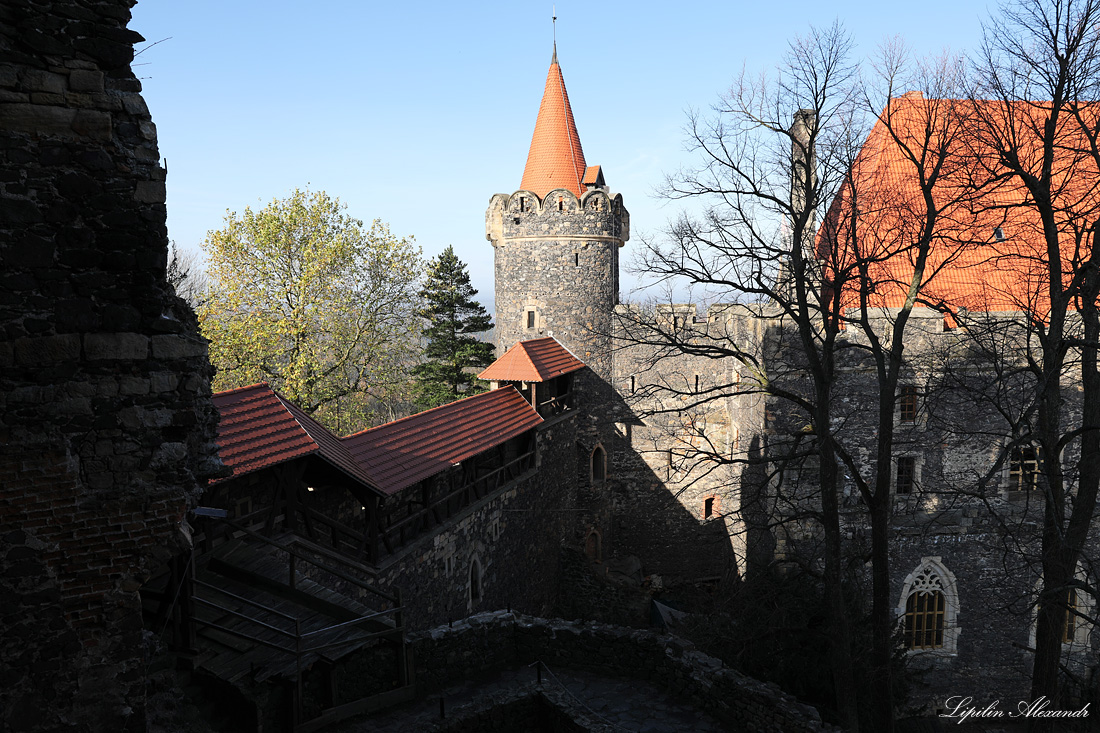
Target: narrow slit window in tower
(530, 319)
(523, 203)
(708, 507)
(576, 259)
(561, 203)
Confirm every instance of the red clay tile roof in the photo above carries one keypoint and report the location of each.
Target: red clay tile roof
(593, 176)
(536, 360)
(969, 267)
(403, 452)
(260, 428)
(555, 159)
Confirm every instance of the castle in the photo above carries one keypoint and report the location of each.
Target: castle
(582, 483)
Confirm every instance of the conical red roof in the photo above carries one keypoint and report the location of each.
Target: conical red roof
(555, 159)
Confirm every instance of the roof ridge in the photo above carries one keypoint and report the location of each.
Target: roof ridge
(424, 412)
(241, 389)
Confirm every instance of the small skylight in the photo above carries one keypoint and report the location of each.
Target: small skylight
(999, 234)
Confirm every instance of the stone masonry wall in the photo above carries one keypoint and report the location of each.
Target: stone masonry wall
(563, 263)
(512, 535)
(489, 641)
(105, 417)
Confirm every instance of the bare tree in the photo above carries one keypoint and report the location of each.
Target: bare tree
(186, 276)
(806, 233)
(1044, 159)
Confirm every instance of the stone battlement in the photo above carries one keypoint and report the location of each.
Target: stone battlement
(597, 214)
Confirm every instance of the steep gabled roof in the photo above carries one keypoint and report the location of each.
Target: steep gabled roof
(555, 159)
(536, 360)
(260, 428)
(401, 453)
(989, 248)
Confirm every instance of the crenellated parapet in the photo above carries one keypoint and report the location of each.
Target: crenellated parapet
(560, 213)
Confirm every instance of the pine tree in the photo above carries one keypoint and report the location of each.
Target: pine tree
(452, 351)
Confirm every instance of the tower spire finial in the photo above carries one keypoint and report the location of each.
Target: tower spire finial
(554, 22)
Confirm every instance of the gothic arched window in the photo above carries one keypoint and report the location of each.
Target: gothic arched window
(599, 465)
(929, 608)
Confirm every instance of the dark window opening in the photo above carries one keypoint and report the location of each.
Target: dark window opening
(599, 465)
(1070, 627)
(907, 404)
(576, 259)
(708, 507)
(906, 475)
(696, 382)
(561, 203)
(522, 203)
(999, 234)
(924, 620)
(632, 385)
(530, 319)
(475, 581)
(592, 546)
(1023, 469)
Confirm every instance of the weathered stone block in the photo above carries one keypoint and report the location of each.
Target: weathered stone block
(47, 349)
(150, 192)
(116, 346)
(37, 80)
(83, 80)
(176, 347)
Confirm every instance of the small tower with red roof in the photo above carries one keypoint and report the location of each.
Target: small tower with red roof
(556, 241)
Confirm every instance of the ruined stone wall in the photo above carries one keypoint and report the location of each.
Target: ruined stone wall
(490, 641)
(512, 535)
(105, 417)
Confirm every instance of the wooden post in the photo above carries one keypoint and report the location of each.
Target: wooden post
(372, 530)
(402, 661)
(187, 603)
(297, 713)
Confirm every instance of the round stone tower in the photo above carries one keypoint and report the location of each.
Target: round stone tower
(556, 241)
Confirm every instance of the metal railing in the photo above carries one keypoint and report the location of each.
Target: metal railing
(295, 642)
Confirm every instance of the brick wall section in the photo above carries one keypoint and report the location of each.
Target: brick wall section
(105, 415)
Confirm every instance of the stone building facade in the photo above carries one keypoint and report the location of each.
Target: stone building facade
(702, 490)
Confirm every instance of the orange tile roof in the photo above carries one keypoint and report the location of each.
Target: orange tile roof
(968, 267)
(593, 176)
(401, 453)
(536, 360)
(258, 427)
(555, 159)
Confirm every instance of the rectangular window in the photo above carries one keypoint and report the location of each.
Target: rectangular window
(708, 507)
(907, 404)
(530, 319)
(696, 384)
(1070, 628)
(906, 474)
(632, 385)
(1023, 469)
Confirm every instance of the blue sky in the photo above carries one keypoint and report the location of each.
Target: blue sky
(416, 113)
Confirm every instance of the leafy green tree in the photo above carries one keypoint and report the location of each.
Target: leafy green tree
(301, 295)
(447, 302)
